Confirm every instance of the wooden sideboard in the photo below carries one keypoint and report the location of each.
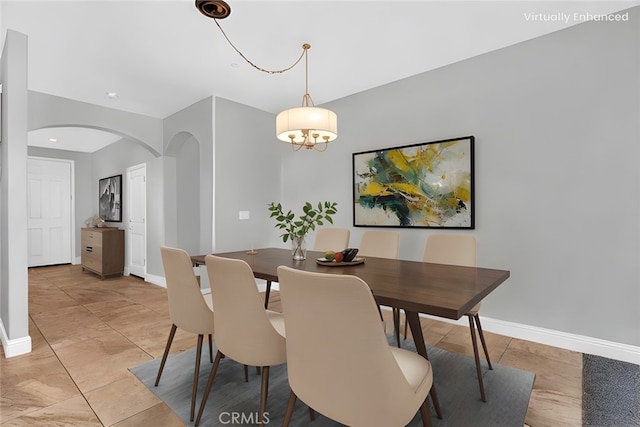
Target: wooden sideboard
(103, 251)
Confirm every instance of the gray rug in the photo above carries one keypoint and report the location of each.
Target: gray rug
(508, 391)
(611, 392)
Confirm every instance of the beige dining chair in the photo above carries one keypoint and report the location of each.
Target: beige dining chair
(356, 382)
(331, 238)
(245, 331)
(457, 249)
(380, 244)
(383, 244)
(189, 309)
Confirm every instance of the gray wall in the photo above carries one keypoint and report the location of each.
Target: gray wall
(193, 124)
(556, 121)
(247, 175)
(188, 196)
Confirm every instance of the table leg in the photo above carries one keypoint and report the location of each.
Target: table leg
(421, 348)
(266, 294)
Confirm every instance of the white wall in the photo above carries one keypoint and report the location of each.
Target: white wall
(14, 291)
(49, 111)
(556, 121)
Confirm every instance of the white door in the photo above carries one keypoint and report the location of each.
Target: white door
(137, 235)
(49, 211)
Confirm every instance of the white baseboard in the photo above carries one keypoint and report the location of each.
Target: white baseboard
(573, 342)
(156, 280)
(14, 347)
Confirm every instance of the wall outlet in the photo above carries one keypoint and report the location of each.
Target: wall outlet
(243, 215)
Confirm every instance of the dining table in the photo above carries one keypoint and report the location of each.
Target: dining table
(416, 287)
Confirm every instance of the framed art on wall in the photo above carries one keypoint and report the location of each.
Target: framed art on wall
(425, 185)
(110, 199)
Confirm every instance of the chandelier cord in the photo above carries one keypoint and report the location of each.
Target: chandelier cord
(305, 47)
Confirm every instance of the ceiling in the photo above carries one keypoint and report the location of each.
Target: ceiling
(161, 56)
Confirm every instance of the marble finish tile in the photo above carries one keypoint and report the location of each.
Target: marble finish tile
(70, 325)
(111, 309)
(88, 351)
(157, 415)
(120, 400)
(70, 412)
(556, 369)
(552, 409)
(31, 382)
(87, 293)
(90, 375)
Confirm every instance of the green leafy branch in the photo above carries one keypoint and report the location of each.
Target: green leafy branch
(310, 218)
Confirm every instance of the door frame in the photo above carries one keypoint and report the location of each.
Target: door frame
(72, 197)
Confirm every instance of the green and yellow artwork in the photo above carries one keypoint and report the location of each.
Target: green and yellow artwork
(420, 185)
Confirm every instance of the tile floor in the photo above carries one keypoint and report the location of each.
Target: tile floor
(86, 332)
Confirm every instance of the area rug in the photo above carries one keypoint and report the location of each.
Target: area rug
(508, 392)
(611, 392)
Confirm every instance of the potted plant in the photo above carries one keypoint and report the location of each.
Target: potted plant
(296, 229)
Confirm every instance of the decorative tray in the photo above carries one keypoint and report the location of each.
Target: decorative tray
(332, 263)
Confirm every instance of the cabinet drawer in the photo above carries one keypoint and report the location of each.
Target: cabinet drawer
(92, 264)
(91, 252)
(91, 238)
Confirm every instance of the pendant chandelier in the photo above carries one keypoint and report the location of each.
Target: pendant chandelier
(306, 126)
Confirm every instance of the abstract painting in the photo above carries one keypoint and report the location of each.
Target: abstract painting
(427, 185)
(110, 199)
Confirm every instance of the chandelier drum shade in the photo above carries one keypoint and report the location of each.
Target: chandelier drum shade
(307, 126)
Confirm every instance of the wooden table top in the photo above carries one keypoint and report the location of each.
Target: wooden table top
(441, 290)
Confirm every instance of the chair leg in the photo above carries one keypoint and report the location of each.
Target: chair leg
(210, 349)
(475, 353)
(406, 323)
(290, 405)
(166, 352)
(396, 325)
(207, 389)
(196, 374)
(246, 373)
(267, 292)
(425, 413)
(482, 341)
(263, 393)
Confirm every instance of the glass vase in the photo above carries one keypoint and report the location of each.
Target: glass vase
(298, 248)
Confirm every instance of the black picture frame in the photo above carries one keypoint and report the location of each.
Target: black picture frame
(110, 198)
(424, 185)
